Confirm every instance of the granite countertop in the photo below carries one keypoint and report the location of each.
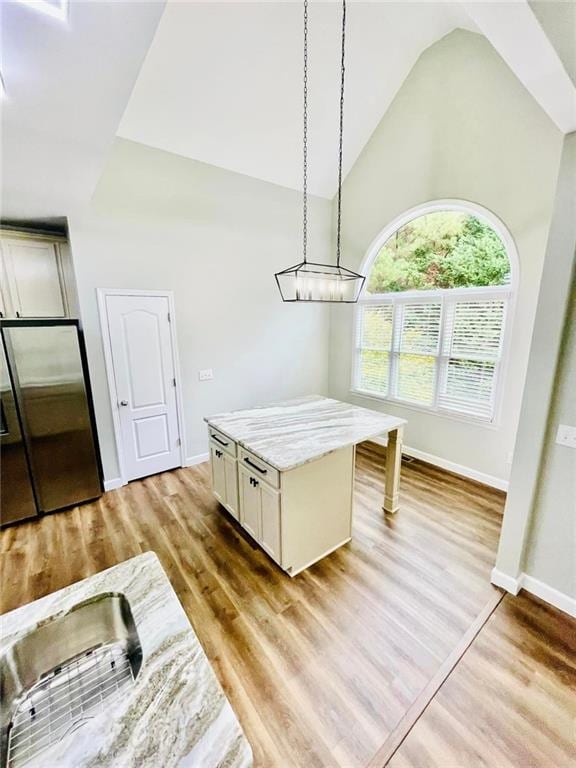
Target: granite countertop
(295, 432)
(175, 714)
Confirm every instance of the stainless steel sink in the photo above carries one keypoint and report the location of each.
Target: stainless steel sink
(65, 671)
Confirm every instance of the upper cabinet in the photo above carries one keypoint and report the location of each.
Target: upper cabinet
(32, 282)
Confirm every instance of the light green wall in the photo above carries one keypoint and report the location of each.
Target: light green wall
(538, 528)
(462, 126)
(215, 238)
(551, 556)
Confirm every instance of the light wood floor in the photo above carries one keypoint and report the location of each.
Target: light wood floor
(322, 669)
(510, 702)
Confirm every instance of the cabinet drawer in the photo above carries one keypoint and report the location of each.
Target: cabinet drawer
(221, 441)
(259, 468)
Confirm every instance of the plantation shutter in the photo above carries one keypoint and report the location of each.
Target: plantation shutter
(470, 357)
(375, 347)
(416, 351)
(443, 354)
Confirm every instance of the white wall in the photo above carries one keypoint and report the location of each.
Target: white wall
(551, 551)
(461, 126)
(215, 238)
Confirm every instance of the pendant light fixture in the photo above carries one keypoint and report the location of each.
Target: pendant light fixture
(309, 280)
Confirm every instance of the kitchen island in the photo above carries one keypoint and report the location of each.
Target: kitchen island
(286, 472)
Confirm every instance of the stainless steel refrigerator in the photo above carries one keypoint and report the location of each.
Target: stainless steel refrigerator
(49, 456)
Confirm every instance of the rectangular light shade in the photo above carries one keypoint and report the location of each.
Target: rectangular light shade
(309, 281)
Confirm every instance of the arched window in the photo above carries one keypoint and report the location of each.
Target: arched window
(432, 319)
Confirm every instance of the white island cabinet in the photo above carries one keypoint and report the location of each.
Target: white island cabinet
(286, 473)
(224, 472)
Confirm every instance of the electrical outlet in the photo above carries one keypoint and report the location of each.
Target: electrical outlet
(207, 374)
(566, 436)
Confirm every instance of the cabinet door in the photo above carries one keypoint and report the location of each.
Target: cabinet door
(33, 278)
(250, 504)
(231, 477)
(218, 474)
(270, 522)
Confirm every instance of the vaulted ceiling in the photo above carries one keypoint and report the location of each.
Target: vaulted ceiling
(67, 82)
(222, 83)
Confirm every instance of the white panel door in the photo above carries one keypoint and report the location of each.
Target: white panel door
(34, 278)
(143, 363)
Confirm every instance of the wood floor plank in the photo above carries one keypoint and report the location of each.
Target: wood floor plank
(510, 702)
(321, 669)
(414, 712)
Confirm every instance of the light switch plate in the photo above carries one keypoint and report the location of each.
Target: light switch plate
(566, 435)
(207, 374)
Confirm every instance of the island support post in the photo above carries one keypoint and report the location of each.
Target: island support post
(393, 463)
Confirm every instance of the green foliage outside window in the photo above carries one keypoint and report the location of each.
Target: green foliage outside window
(446, 249)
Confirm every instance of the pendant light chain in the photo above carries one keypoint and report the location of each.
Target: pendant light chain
(315, 281)
(342, 71)
(305, 138)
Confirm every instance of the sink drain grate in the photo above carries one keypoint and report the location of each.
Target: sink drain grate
(61, 701)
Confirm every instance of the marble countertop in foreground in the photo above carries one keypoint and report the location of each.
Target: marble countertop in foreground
(295, 432)
(176, 714)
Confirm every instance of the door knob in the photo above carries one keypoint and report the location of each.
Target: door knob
(123, 402)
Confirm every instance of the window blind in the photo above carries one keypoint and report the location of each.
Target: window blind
(471, 354)
(443, 354)
(416, 348)
(375, 347)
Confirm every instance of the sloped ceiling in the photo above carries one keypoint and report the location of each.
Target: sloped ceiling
(222, 82)
(532, 54)
(67, 83)
(558, 20)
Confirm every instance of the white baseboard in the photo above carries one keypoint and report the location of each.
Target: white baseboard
(458, 469)
(200, 458)
(190, 461)
(549, 594)
(113, 483)
(535, 587)
(503, 580)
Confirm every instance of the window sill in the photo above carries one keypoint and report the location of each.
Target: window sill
(468, 420)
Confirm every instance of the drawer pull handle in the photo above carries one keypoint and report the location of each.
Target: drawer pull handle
(215, 437)
(255, 466)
